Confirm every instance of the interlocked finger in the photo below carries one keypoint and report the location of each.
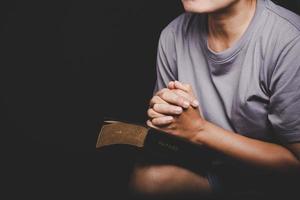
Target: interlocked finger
(185, 87)
(193, 101)
(167, 109)
(172, 98)
(153, 114)
(162, 121)
(155, 100)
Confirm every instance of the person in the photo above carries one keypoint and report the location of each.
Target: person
(228, 78)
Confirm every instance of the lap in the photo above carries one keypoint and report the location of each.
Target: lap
(153, 177)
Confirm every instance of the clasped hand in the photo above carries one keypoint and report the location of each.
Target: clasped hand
(175, 110)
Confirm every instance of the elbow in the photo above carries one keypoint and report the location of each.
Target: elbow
(288, 164)
(294, 167)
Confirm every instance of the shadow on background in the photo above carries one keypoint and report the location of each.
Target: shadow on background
(65, 65)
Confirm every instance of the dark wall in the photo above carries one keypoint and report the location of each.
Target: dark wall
(69, 63)
(64, 66)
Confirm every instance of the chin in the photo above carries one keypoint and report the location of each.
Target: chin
(204, 6)
(197, 10)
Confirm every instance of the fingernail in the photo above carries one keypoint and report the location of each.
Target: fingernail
(178, 110)
(196, 103)
(186, 104)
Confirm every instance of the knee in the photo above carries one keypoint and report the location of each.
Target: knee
(150, 181)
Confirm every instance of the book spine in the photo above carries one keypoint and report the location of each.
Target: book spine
(174, 149)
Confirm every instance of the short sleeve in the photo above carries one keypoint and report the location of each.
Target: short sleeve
(284, 105)
(166, 67)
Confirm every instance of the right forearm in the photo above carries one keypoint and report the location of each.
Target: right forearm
(257, 153)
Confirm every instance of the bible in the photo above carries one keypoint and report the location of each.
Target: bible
(160, 144)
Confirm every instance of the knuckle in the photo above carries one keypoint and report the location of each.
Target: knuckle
(150, 112)
(154, 100)
(163, 95)
(151, 103)
(156, 107)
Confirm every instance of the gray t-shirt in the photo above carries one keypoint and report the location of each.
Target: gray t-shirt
(252, 88)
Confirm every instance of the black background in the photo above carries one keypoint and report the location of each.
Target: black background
(65, 65)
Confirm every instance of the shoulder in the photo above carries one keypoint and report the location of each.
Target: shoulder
(284, 15)
(284, 22)
(284, 28)
(279, 36)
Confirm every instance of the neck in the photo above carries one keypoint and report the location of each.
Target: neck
(226, 26)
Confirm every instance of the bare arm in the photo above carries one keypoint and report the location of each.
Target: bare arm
(191, 126)
(255, 152)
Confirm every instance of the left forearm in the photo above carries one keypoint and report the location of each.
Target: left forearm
(255, 152)
(189, 124)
